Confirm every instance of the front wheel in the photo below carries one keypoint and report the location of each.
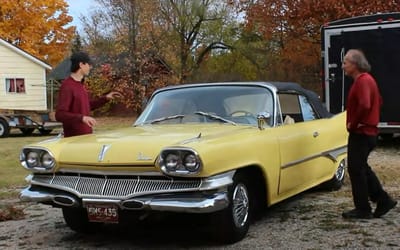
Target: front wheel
(77, 220)
(234, 221)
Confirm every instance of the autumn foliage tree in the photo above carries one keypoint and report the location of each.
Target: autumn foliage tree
(39, 27)
(293, 28)
(116, 35)
(149, 44)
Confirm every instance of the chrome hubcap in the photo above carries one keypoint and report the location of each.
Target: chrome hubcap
(240, 205)
(340, 172)
(2, 129)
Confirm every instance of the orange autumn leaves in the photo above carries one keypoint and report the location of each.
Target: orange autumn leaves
(40, 27)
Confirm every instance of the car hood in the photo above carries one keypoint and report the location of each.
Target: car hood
(138, 145)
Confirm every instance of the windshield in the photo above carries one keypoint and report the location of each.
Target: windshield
(198, 104)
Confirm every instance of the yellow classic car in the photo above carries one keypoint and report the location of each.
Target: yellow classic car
(224, 149)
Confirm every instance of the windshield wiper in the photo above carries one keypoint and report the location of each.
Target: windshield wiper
(215, 117)
(171, 117)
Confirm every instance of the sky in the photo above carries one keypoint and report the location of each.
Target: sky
(78, 8)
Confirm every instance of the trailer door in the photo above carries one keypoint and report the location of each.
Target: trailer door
(335, 85)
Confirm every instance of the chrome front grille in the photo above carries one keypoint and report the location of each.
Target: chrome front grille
(114, 187)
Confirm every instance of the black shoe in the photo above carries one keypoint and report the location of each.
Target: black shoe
(384, 207)
(357, 214)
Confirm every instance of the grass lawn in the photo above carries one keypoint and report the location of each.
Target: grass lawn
(12, 174)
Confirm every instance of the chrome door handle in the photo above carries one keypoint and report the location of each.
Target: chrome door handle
(315, 134)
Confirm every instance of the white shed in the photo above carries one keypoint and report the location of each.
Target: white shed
(22, 79)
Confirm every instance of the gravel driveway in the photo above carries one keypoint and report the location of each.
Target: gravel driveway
(311, 220)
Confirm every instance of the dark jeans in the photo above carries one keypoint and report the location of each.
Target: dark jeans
(364, 183)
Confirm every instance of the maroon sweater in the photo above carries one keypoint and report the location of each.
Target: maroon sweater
(73, 104)
(363, 105)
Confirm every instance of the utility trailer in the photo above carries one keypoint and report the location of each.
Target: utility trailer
(26, 124)
(378, 36)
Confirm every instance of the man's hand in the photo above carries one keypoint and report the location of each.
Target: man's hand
(90, 121)
(113, 95)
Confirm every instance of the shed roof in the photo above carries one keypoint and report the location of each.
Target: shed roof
(24, 54)
(61, 71)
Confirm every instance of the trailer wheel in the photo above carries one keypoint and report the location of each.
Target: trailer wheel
(27, 131)
(44, 131)
(4, 128)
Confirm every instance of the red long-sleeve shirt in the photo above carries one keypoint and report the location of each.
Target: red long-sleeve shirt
(73, 104)
(363, 105)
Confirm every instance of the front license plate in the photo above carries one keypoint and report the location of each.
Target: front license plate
(102, 213)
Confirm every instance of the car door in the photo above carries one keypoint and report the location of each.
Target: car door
(301, 143)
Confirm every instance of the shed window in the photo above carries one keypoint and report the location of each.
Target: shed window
(15, 85)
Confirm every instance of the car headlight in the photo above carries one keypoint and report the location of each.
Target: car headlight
(191, 162)
(37, 159)
(48, 161)
(171, 162)
(32, 159)
(179, 161)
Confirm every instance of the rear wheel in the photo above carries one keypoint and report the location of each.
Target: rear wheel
(338, 179)
(234, 221)
(77, 220)
(4, 128)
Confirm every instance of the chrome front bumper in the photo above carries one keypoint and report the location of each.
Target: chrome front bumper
(172, 203)
(210, 196)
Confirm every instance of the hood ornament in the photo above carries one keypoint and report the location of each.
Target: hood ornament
(191, 139)
(103, 151)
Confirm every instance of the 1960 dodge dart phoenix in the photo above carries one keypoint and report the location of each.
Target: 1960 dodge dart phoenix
(223, 149)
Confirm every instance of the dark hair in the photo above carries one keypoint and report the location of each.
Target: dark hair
(358, 58)
(79, 57)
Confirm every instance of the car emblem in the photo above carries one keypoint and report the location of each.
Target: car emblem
(142, 157)
(103, 152)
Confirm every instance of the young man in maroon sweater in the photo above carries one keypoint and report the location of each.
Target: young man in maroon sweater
(74, 104)
(363, 109)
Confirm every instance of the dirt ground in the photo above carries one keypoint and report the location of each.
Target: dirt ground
(311, 220)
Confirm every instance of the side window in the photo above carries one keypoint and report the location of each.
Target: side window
(290, 108)
(295, 108)
(306, 109)
(15, 85)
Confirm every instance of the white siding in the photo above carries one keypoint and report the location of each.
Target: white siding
(15, 65)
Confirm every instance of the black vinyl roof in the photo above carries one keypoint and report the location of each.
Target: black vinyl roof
(313, 98)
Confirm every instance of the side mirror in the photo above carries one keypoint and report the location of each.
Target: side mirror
(263, 119)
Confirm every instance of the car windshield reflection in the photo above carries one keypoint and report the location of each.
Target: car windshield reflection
(231, 104)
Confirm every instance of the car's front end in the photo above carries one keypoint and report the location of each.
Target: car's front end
(128, 172)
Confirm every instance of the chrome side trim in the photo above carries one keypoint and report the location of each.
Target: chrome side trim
(330, 154)
(335, 153)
